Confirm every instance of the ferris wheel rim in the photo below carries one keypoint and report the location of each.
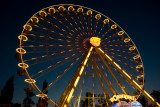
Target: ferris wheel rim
(34, 84)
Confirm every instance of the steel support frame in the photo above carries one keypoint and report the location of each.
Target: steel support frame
(123, 72)
(67, 94)
(112, 73)
(96, 69)
(110, 87)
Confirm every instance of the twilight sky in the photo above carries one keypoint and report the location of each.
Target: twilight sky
(139, 18)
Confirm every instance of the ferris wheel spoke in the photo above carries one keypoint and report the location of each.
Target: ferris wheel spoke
(68, 22)
(82, 24)
(110, 37)
(47, 60)
(47, 43)
(64, 58)
(51, 45)
(105, 33)
(49, 37)
(36, 42)
(112, 42)
(52, 31)
(111, 72)
(81, 20)
(43, 44)
(85, 21)
(61, 52)
(114, 91)
(31, 52)
(115, 41)
(95, 27)
(75, 22)
(123, 63)
(63, 30)
(124, 57)
(132, 75)
(63, 24)
(62, 74)
(106, 80)
(54, 66)
(119, 50)
(116, 46)
(96, 69)
(91, 25)
(100, 30)
(122, 76)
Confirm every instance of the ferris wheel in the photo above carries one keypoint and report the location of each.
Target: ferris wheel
(78, 50)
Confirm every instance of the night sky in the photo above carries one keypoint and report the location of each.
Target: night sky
(139, 18)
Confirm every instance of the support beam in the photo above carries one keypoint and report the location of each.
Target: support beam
(87, 97)
(112, 73)
(123, 72)
(109, 85)
(98, 75)
(67, 94)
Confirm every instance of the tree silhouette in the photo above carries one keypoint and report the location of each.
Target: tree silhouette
(143, 101)
(7, 92)
(104, 102)
(43, 102)
(28, 102)
(88, 101)
(156, 95)
(16, 105)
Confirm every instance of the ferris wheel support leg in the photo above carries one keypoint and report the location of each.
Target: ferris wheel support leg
(123, 72)
(111, 72)
(96, 69)
(67, 94)
(96, 66)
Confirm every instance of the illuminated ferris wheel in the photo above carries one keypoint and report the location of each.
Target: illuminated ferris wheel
(78, 50)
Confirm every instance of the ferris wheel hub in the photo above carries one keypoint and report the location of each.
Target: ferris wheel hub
(95, 41)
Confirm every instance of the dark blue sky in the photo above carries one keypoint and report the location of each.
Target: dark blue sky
(139, 18)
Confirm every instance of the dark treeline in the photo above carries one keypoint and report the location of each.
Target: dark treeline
(7, 96)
